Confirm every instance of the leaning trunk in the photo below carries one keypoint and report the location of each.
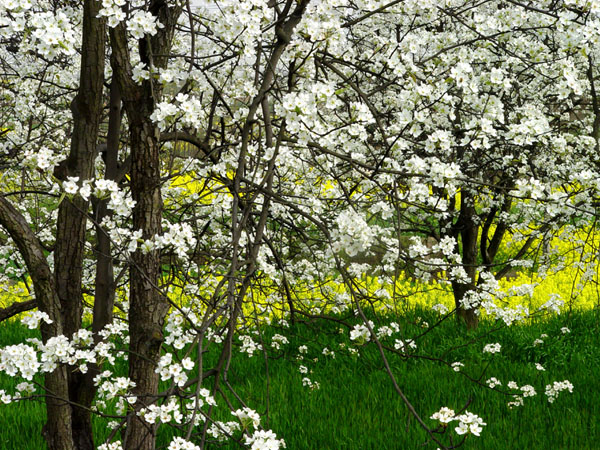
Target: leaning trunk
(58, 428)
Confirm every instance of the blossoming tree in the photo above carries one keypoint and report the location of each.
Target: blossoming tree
(175, 174)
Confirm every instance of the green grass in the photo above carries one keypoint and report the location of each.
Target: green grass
(357, 408)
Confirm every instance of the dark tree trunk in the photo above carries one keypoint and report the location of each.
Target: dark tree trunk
(147, 307)
(58, 428)
(469, 316)
(72, 215)
(105, 288)
(468, 230)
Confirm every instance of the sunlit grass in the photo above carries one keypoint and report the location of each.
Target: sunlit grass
(356, 406)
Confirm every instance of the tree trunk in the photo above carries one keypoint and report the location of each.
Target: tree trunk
(105, 288)
(72, 215)
(147, 307)
(104, 298)
(466, 316)
(58, 428)
(468, 230)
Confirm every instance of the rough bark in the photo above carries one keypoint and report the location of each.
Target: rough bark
(16, 308)
(147, 308)
(58, 428)
(86, 108)
(468, 231)
(105, 288)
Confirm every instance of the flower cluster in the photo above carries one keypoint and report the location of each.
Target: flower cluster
(526, 391)
(113, 11)
(278, 340)
(248, 417)
(111, 446)
(468, 423)
(354, 234)
(248, 345)
(164, 413)
(264, 440)
(141, 23)
(404, 345)
(360, 333)
(312, 385)
(179, 443)
(492, 348)
(168, 369)
(32, 319)
(552, 390)
(186, 109)
(493, 382)
(53, 34)
(43, 159)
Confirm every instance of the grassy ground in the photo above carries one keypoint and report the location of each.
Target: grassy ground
(357, 408)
